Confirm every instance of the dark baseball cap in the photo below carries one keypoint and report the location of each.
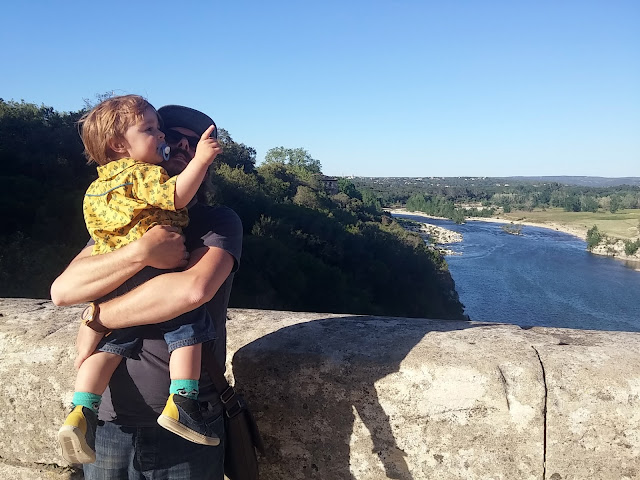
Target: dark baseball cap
(185, 117)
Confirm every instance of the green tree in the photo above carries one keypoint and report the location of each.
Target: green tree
(594, 237)
(615, 203)
(631, 246)
(42, 183)
(278, 182)
(370, 200)
(572, 203)
(308, 197)
(457, 216)
(297, 158)
(346, 186)
(235, 154)
(589, 204)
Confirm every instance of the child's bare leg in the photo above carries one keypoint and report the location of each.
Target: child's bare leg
(96, 371)
(185, 363)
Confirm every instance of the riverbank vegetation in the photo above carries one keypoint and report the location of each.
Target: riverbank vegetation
(308, 245)
(614, 209)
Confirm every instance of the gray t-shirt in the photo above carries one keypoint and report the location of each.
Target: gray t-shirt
(139, 388)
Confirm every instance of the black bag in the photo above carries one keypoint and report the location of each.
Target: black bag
(242, 434)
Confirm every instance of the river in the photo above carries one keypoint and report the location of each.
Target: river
(540, 278)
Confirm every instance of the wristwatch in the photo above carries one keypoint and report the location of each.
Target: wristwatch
(90, 319)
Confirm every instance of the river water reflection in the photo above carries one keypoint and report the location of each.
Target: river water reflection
(542, 277)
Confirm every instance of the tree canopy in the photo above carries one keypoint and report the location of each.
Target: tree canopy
(297, 158)
(303, 248)
(234, 154)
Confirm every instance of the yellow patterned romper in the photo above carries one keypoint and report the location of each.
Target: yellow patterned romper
(126, 200)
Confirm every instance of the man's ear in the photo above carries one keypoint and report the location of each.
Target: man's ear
(117, 145)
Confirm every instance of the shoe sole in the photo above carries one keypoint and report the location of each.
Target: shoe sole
(74, 447)
(179, 429)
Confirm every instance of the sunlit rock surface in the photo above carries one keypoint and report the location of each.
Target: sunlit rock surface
(359, 397)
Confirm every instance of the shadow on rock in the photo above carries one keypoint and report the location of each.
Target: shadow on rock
(306, 384)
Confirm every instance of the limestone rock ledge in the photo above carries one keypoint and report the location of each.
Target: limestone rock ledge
(361, 397)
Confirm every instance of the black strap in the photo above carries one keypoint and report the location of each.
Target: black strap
(232, 402)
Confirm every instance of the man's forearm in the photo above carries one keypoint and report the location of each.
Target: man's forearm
(169, 295)
(90, 277)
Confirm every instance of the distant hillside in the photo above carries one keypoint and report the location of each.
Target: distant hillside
(582, 181)
(458, 197)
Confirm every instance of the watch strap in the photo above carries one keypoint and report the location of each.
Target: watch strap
(93, 322)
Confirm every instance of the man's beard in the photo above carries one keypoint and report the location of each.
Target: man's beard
(173, 166)
(178, 151)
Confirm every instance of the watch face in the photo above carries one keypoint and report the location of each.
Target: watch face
(87, 314)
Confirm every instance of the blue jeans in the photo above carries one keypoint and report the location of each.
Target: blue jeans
(153, 453)
(190, 328)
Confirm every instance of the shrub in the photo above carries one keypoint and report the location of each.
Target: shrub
(631, 247)
(594, 237)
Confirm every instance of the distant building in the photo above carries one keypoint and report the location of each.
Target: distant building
(330, 184)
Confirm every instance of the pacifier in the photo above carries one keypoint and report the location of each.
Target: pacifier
(163, 151)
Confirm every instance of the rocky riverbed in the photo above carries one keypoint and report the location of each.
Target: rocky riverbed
(436, 237)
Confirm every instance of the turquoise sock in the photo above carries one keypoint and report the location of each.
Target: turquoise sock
(186, 388)
(86, 399)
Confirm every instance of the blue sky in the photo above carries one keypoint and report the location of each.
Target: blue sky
(370, 88)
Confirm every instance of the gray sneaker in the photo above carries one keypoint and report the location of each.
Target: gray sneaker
(182, 416)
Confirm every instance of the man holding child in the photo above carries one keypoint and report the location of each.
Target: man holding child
(130, 444)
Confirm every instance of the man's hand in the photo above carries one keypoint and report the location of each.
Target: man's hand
(208, 148)
(171, 294)
(86, 344)
(163, 247)
(93, 276)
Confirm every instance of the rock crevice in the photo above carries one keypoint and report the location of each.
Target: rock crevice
(544, 409)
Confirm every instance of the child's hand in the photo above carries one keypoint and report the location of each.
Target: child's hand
(208, 148)
(86, 344)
